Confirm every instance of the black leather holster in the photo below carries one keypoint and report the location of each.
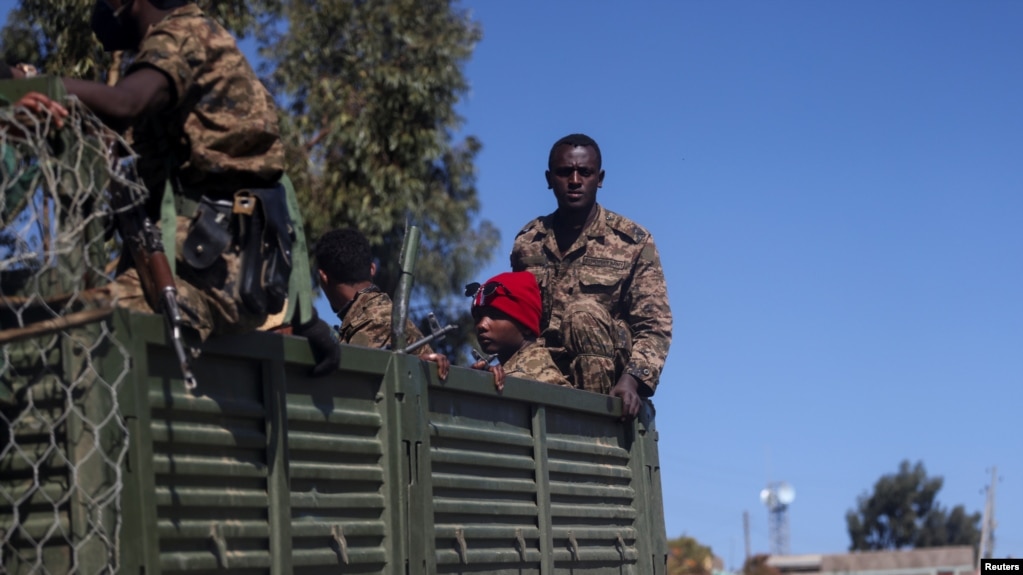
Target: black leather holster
(264, 236)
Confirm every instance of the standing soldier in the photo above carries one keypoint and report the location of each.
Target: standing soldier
(605, 304)
(210, 152)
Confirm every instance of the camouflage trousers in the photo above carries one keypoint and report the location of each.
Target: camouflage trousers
(591, 348)
(207, 297)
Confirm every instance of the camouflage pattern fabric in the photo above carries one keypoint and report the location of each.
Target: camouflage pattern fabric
(210, 294)
(609, 289)
(601, 345)
(219, 135)
(368, 323)
(534, 362)
(222, 129)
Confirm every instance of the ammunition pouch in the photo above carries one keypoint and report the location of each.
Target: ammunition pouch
(264, 234)
(209, 234)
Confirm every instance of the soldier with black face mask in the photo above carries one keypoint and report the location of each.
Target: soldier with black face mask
(206, 133)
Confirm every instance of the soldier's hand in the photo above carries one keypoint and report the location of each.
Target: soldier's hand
(627, 389)
(325, 346)
(497, 370)
(38, 103)
(443, 364)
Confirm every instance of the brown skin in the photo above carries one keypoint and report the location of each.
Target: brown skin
(38, 103)
(499, 334)
(143, 92)
(497, 370)
(340, 294)
(575, 176)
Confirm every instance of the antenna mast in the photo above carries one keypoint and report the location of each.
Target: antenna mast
(777, 497)
(987, 526)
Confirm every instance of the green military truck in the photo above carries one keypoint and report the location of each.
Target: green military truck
(109, 463)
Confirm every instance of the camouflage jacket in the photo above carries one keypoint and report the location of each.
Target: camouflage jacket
(368, 323)
(534, 362)
(221, 132)
(615, 262)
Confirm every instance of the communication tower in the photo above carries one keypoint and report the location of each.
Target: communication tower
(777, 497)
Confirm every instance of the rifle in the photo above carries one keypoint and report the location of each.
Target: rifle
(143, 242)
(487, 359)
(437, 333)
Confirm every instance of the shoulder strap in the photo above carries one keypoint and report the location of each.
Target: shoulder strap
(300, 287)
(169, 225)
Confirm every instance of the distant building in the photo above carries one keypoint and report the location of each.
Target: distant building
(930, 561)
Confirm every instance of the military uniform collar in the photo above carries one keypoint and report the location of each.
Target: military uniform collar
(348, 306)
(595, 229)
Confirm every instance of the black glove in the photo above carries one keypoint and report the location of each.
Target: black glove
(326, 348)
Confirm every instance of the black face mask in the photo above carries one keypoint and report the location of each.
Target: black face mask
(110, 30)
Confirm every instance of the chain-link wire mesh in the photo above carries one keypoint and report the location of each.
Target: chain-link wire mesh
(62, 438)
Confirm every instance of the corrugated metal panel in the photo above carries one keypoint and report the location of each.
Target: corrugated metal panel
(483, 474)
(337, 475)
(379, 469)
(593, 502)
(210, 465)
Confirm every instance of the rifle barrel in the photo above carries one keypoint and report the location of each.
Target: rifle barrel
(435, 336)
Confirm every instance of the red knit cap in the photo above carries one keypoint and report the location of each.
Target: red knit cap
(518, 295)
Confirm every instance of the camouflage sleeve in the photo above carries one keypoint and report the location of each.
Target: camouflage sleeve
(649, 316)
(369, 322)
(527, 251)
(535, 363)
(516, 255)
(175, 54)
(371, 334)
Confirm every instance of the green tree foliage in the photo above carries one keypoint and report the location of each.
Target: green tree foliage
(687, 556)
(55, 36)
(368, 93)
(903, 511)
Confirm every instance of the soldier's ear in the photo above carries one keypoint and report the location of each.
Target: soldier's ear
(324, 280)
(372, 270)
(600, 179)
(547, 176)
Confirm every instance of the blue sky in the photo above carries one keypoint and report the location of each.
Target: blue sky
(836, 190)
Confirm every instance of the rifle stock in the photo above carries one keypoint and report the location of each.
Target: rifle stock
(146, 248)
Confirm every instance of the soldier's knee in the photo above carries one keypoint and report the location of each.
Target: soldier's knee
(588, 329)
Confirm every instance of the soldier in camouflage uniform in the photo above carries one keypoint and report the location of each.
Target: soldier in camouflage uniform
(507, 313)
(204, 127)
(605, 314)
(345, 270)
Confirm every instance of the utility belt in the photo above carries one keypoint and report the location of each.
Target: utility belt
(255, 226)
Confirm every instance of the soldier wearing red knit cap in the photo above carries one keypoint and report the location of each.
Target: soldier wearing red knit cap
(507, 312)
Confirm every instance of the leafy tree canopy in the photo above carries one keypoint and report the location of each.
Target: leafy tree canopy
(367, 93)
(687, 556)
(903, 512)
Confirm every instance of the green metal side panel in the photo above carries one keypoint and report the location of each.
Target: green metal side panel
(340, 468)
(379, 468)
(537, 479)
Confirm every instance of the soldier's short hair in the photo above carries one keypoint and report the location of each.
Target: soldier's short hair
(344, 255)
(574, 140)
